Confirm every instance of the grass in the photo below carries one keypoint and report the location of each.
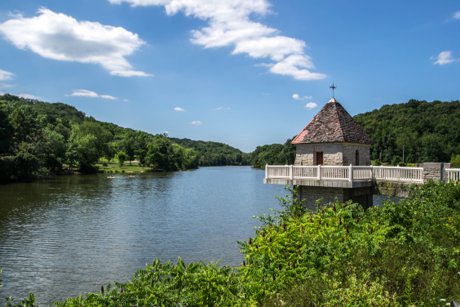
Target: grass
(113, 167)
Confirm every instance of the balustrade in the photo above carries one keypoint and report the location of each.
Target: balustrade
(351, 173)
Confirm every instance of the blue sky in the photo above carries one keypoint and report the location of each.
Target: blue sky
(242, 72)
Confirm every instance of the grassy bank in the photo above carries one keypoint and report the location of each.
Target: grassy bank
(113, 167)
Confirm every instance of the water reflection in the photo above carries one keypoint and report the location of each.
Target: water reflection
(66, 236)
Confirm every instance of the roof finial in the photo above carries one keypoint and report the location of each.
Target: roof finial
(333, 87)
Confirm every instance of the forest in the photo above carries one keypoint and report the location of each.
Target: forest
(414, 132)
(280, 154)
(39, 139)
(406, 133)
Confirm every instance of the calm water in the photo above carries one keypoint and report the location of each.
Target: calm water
(70, 235)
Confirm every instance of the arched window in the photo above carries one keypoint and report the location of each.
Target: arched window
(357, 157)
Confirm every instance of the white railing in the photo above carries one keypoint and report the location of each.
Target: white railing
(453, 174)
(350, 173)
(392, 173)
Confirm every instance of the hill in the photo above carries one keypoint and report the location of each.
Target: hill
(413, 132)
(273, 154)
(215, 153)
(40, 139)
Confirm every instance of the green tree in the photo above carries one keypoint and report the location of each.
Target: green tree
(121, 157)
(160, 154)
(83, 149)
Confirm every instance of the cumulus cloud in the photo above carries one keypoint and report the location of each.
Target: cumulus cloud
(311, 105)
(6, 75)
(61, 37)
(444, 57)
(296, 96)
(196, 123)
(179, 109)
(91, 94)
(229, 23)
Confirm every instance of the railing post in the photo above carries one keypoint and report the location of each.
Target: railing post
(319, 172)
(291, 172)
(350, 173)
(266, 171)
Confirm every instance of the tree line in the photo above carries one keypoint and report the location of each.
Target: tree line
(39, 139)
(412, 132)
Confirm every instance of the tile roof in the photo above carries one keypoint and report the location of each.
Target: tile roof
(332, 124)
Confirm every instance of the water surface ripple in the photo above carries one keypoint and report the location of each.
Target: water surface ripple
(70, 235)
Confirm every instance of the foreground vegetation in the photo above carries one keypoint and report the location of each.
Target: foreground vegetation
(395, 254)
(38, 139)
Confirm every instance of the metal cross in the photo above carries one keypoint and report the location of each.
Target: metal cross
(333, 87)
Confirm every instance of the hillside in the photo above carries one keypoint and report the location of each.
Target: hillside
(39, 139)
(215, 153)
(424, 131)
(273, 154)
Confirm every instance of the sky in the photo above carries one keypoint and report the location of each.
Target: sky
(241, 72)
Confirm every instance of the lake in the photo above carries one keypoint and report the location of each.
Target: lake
(72, 234)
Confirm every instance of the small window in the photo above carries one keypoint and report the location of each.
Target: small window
(319, 158)
(357, 157)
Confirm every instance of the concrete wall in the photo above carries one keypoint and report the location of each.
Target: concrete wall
(333, 153)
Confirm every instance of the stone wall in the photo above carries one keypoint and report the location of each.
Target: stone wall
(349, 153)
(333, 154)
(313, 196)
(434, 171)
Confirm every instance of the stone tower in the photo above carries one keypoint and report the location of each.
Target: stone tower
(333, 138)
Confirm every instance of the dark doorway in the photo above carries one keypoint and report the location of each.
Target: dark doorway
(319, 158)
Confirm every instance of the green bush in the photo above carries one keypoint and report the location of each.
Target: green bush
(395, 254)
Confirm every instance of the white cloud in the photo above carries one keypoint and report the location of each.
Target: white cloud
(196, 123)
(230, 24)
(222, 108)
(91, 94)
(296, 96)
(61, 37)
(6, 75)
(457, 15)
(311, 105)
(28, 96)
(444, 57)
(179, 109)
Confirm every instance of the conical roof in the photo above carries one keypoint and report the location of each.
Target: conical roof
(332, 124)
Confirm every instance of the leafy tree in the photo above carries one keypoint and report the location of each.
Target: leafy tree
(83, 149)
(121, 157)
(6, 131)
(160, 154)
